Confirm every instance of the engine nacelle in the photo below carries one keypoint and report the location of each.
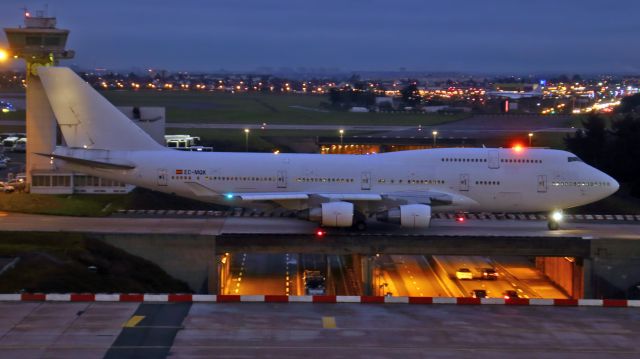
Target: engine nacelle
(332, 214)
(408, 215)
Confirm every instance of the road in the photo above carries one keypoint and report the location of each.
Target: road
(260, 274)
(514, 275)
(397, 275)
(412, 276)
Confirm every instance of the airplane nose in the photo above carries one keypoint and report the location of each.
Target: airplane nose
(614, 185)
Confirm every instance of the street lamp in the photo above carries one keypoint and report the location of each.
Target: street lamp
(246, 140)
(435, 134)
(530, 138)
(4, 55)
(341, 131)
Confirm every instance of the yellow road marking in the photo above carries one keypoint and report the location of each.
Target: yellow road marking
(133, 321)
(328, 322)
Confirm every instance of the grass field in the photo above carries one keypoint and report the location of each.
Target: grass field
(59, 263)
(255, 108)
(88, 205)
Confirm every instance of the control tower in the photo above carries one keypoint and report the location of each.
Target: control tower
(39, 43)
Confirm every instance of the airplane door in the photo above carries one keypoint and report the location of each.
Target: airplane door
(162, 177)
(494, 159)
(542, 183)
(464, 182)
(282, 179)
(365, 181)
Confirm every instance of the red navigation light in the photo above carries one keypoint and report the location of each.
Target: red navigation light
(517, 148)
(320, 233)
(460, 217)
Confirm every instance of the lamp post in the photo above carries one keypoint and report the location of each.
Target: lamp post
(530, 138)
(435, 134)
(246, 140)
(4, 55)
(341, 131)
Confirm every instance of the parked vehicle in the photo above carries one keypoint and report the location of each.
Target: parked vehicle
(6, 188)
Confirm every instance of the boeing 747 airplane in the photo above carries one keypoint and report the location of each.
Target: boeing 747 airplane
(334, 190)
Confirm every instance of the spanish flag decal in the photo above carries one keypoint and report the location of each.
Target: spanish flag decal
(178, 172)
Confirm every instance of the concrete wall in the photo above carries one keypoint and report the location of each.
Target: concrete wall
(190, 258)
(41, 126)
(615, 268)
(565, 272)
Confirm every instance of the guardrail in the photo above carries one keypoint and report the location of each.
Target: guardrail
(335, 299)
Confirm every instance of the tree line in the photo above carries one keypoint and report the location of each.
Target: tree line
(614, 149)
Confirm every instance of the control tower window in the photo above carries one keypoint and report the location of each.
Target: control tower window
(52, 41)
(33, 40)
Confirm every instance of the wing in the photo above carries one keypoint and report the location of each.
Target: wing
(433, 198)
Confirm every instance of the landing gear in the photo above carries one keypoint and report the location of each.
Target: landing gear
(360, 225)
(359, 222)
(554, 219)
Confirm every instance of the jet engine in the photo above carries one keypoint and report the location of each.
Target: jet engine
(409, 215)
(330, 214)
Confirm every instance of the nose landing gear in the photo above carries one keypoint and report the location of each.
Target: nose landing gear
(554, 219)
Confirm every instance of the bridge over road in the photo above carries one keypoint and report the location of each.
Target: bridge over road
(604, 258)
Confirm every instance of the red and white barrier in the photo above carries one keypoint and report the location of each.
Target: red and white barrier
(210, 298)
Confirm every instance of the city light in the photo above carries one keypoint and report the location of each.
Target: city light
(4, 55)
(341, 131)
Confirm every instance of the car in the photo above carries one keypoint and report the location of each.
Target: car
(17, 184)
(489, 274)
(314, 282)
(6, 188)
(511, 294)
(464, 273)
(479, 293)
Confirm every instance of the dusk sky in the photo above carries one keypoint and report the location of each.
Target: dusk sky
(501, 36)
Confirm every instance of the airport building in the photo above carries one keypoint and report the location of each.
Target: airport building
(40, 43)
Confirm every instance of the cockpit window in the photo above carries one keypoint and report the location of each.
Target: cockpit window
(573, 159)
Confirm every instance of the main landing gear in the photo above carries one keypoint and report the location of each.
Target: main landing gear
(359, 225)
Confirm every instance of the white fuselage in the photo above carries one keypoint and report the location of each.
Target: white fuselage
(477, 179)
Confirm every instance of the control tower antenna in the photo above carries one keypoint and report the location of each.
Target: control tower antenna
(39, 43)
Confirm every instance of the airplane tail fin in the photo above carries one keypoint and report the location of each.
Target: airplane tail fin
(88, 120)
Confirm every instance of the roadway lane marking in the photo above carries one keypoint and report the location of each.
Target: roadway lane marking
(329, 322)
(133, 321)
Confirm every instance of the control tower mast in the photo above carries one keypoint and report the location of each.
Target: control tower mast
(39, 43)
